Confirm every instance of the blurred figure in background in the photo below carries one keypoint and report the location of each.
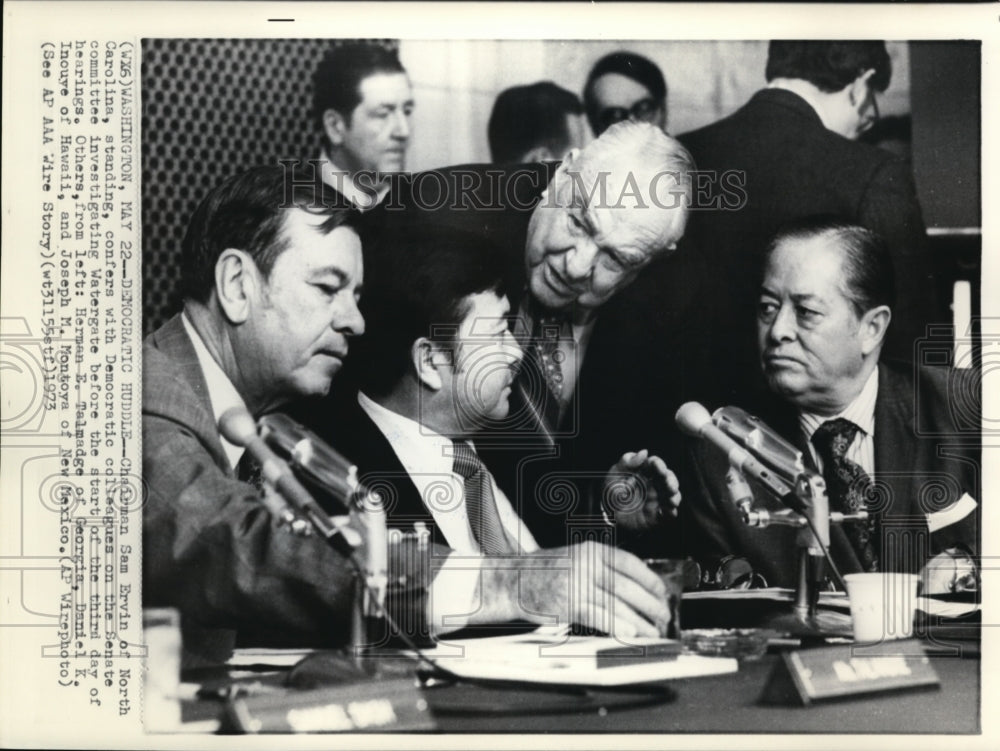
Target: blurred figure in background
(538, 122)
(625, 86)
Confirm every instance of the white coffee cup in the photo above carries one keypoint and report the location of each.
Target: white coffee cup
(882, 605)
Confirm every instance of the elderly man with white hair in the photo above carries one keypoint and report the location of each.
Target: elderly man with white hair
(575, 234)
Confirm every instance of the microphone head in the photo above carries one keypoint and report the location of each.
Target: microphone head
(237, 426)
(692, 418)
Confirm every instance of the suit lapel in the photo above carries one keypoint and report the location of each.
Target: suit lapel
(894, 468)
(173, 341)
(380, 468)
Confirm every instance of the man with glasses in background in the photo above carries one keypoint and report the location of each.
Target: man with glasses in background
(794, 149)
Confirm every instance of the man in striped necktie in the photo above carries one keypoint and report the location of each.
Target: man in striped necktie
(436, 365)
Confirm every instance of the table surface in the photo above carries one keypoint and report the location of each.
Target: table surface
(726, 703)
(729, 704)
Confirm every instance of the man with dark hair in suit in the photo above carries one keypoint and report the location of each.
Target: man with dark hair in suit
(362, 101)
(793, 149)
(540, 122)
(270, 308)
(874, 429)
(436, 365)
(625, 86)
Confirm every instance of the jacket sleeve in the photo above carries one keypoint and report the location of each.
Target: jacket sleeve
(890, 208)
(212, 550)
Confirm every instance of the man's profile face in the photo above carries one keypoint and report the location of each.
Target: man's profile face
(485, 359)
(378, 134)
(620, 98)
(296, 337)
(581, 250)
(807, 330)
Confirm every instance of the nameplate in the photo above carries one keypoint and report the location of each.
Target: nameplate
(363, 707)
(807, 676)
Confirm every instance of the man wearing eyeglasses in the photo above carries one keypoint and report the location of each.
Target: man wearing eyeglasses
(625, 86)
(793, 146)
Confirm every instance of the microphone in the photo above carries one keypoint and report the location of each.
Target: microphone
(765, 443)
(238, 427)
(694, 420)
(323, 468)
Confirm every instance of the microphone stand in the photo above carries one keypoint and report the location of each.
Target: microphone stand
(370, 588)
(332, 474)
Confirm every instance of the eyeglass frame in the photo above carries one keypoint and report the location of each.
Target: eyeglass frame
(643, 110)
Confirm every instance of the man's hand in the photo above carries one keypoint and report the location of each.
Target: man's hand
(639, 490)
(947, 572)
(588, 584)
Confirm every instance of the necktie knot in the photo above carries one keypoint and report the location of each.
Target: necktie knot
(834, 437)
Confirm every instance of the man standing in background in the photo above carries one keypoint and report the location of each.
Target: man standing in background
(793, 144)
(625, 86)
(363, 101)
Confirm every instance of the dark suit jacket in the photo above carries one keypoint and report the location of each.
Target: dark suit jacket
(640, 364)
(796, 168)
(927, 455)
(210, 548)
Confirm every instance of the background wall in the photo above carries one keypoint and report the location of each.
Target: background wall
(946, 131)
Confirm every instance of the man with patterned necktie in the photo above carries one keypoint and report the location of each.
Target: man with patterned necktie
(897, 442)
(437, 362)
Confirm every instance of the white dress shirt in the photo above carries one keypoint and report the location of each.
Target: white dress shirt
(861, 412)
(427, 457)
(221, 392)
(342, 181)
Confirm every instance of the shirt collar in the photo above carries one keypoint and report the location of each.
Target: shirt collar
(221, 392)
(419, 448)
(861, 411)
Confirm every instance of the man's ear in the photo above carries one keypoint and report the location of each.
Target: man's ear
(236, 282)
(858, 89)
(427, 361)
(335, 126)
(874, 325)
